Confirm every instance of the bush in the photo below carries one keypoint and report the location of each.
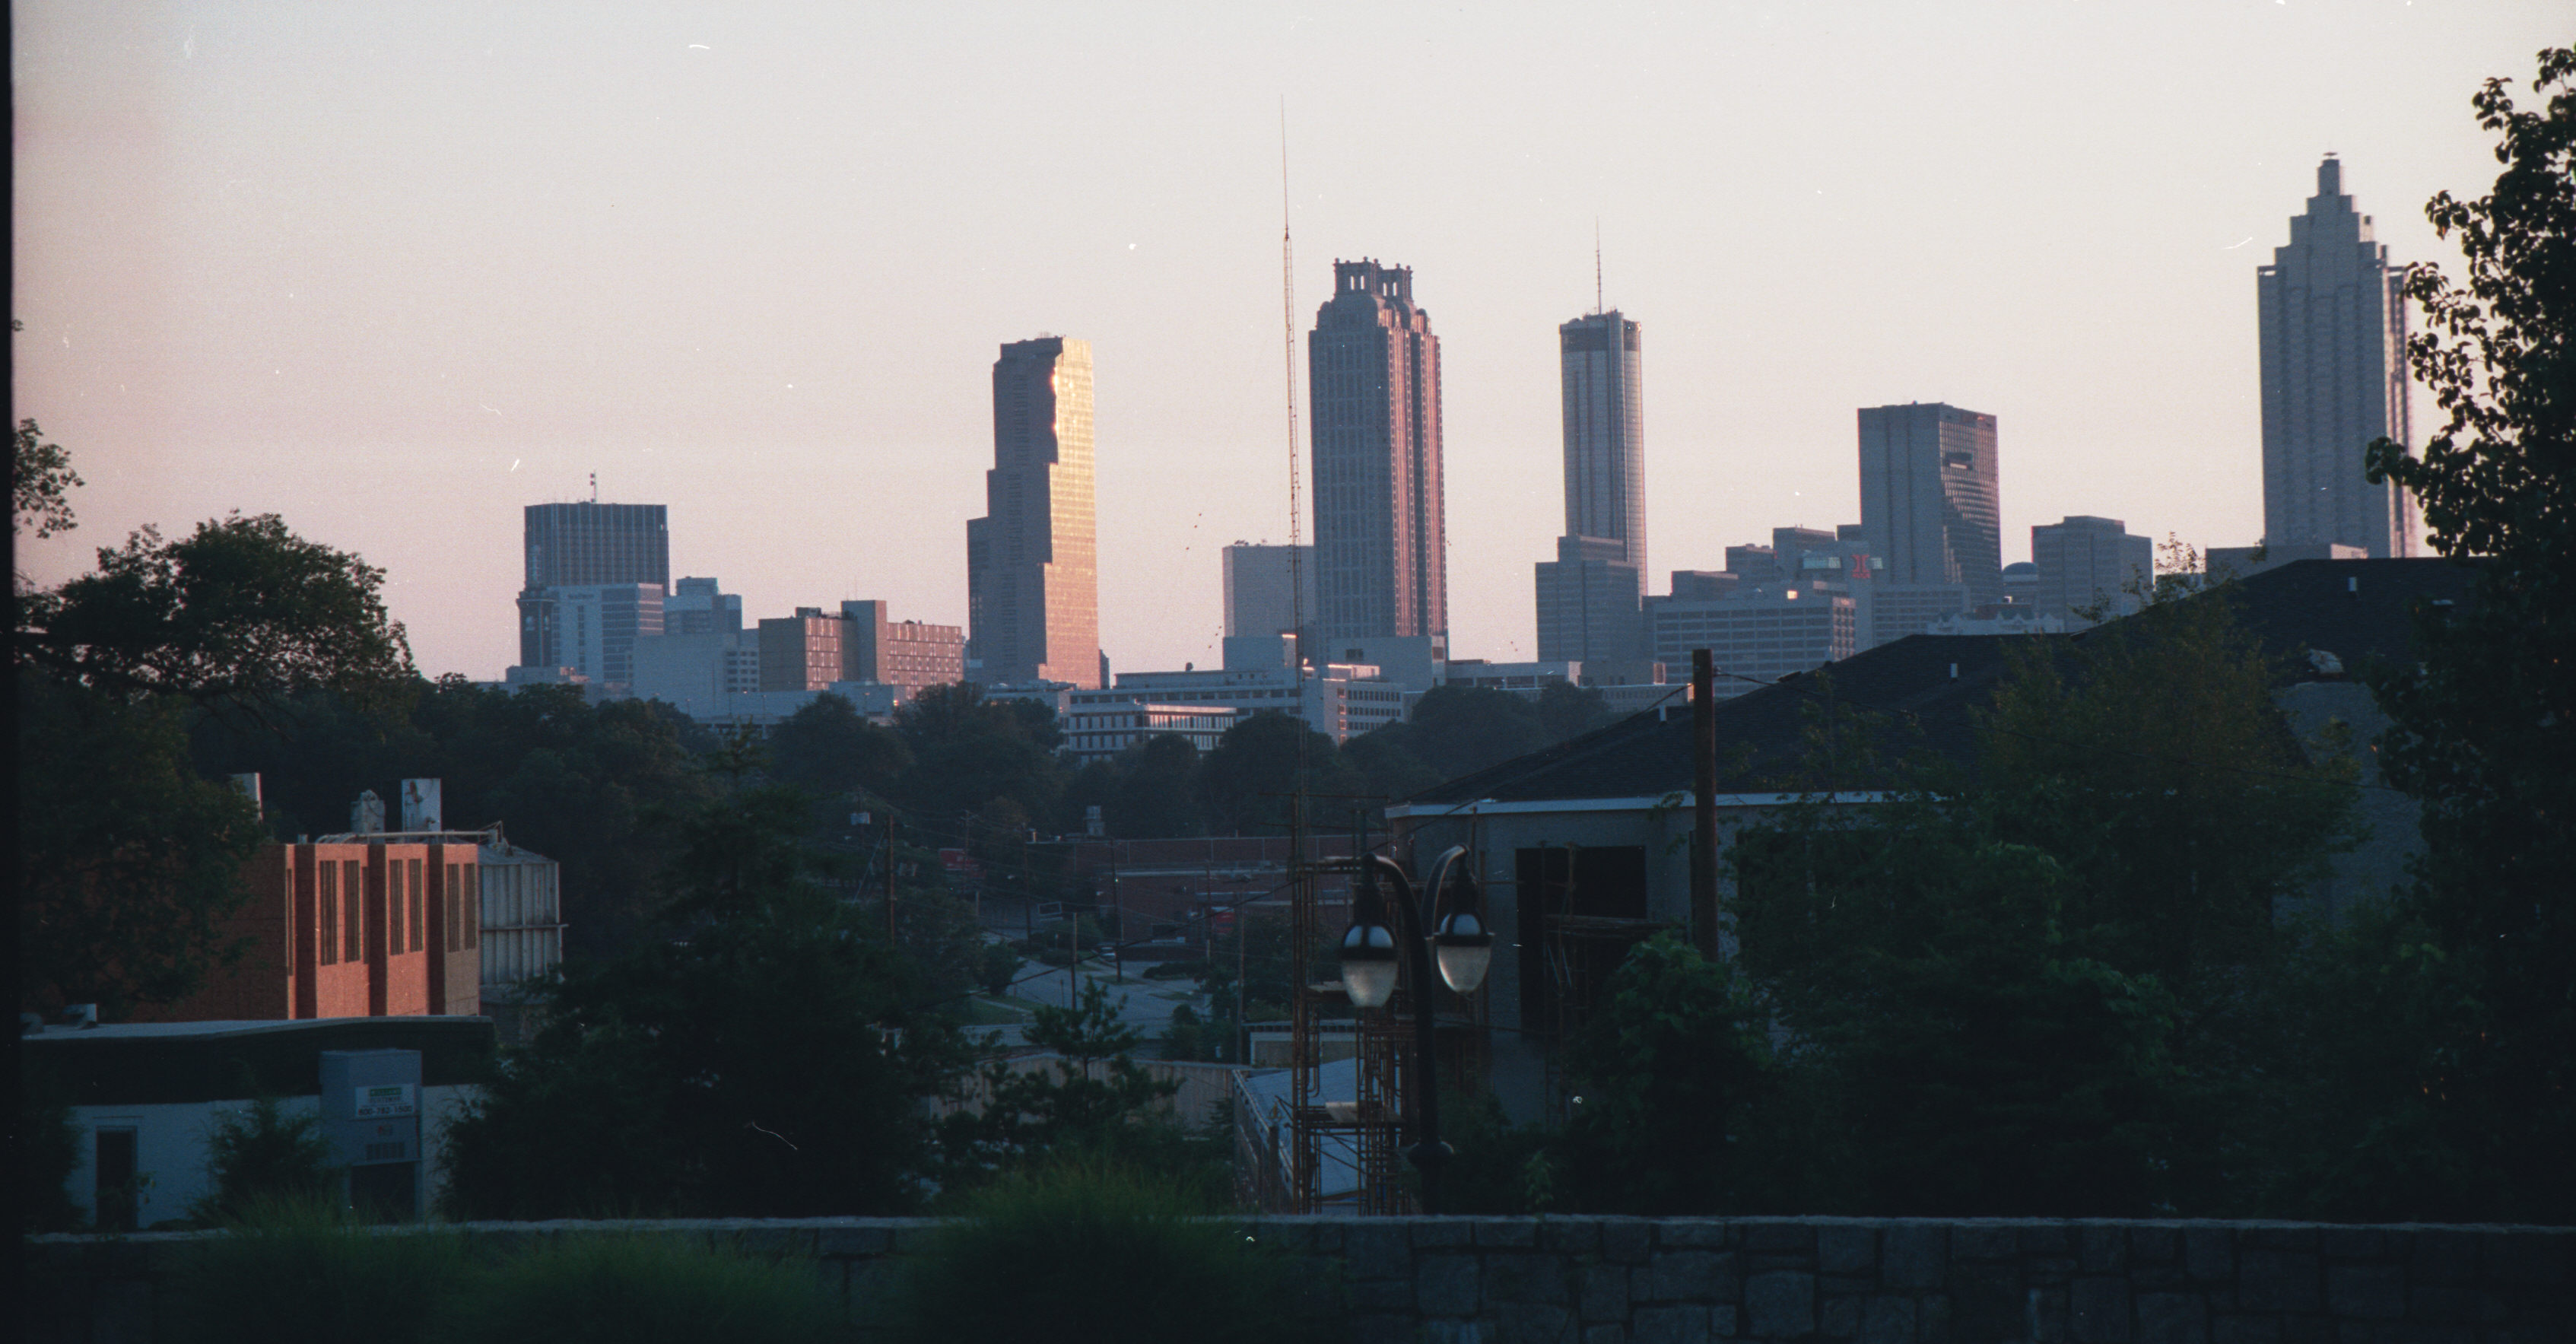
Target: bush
(643, 1288)
(264, 1155)
(292, 1271)
(1175, 970)
(1091, 1252)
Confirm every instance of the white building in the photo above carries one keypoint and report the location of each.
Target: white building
(1339, 700)
(1101, 724)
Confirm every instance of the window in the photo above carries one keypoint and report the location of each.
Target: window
(393, 907)
(455, 911)
(352, 886)
(472, 900)
(326, 907)
(418, 939)
(117, 1188)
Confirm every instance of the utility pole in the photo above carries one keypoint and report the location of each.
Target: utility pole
(889, 878)
(1703, 854)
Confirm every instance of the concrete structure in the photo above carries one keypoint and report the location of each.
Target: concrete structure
(523, 927)
(1760, 634)
(1588, 595)
(1097, 729)
(1032, 562)
(911, 656)
(590, 629)
(2091, 564)
(2021, 584)
(1930, 497)
(1380, 529)
(1900, 609)
(351, 925)
(1339, 700)
(145, 1098)
(679, 668)
(695, 607)
(1266, 589)
(764, 710)
(2244, 561)
(585, 545)
(2333, 314)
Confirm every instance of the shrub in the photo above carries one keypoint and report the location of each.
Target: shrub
(290, 1271)
(643, 1288)
(1090, 1252)
(265, 1155)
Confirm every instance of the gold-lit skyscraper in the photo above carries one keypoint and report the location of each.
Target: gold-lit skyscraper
(1032, 560)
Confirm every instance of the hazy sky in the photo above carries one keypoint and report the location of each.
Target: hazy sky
(395, 270)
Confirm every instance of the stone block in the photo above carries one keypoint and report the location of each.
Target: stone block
(1840, 1318)
(2172, 1318)
(2209, 1253)
(2051, 1240)
(2535, 1256)
(1456, 1332)
(1571, 1236)
(1445, 1285)
(1603, 1293)
(2102, 1248)
(2047, 1316)
(1525, 1278)
(1384, 1329)
(1626, 1240)
(1780, 1305)
(2307, 1330)
(1986, 1303)
(1669, 1325)
(1377, 1249)
(2154, 1245)
(1844, 1249)
(1381, 1295)
(2444, 1255)
(2366, 1292)
(1983, 1241)
(1691, 1234)
(2354, 1243)
(1696, 1276)
(2246, 1330)
(1521, 1232)
(2465, 1306)
(1726, 1321)
(2276, 1237)
(1531, 1323)
(1887, 1319)
(1914, 1255)
(1430, 1232)
(2101, 1310)
(2050, 1269)
(1779, 1236)
(1605, 1334)
(913, 1236)
(1932, 1319)
(2278, 1280)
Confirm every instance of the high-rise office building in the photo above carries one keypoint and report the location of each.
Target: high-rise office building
(1032, 562)
(2090, 564)
(1261, 596)
(697, 608)
(584, 545)
(1381, 541)
(912, 655)
(801, 652)
(1930, 499)
(2333, 317)
(590, 628)
(1583, 613)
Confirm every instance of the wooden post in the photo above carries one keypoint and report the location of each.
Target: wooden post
(1703, 854)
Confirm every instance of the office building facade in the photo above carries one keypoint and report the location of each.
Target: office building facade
(1760, 634)
(1588, 603)
(1268, 589)
(2333, 315)
(1931, 499)
(801, 652)
(1380, 530)
(1032, 562)
(591, 629)
(697, 607)
(1588, 596)
(2089, 564)
(909, 655)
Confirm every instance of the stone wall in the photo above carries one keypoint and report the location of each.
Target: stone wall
(1585, 1280)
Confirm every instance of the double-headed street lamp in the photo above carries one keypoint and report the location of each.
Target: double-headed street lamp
(1461, 944)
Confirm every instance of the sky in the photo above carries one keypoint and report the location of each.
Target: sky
(393, 271)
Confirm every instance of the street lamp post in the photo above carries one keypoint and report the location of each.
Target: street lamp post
(1463, 949)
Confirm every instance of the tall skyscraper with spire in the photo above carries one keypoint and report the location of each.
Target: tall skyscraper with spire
(1380, 534)
(1032, 562)
(1588, 597)
(2334, 379)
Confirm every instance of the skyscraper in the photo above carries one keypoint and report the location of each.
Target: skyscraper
(1032, 562)
(2334, 378)
(1380, 537)
(1588, 596)
(2087, 563)
(586, 545)
(1930, 499)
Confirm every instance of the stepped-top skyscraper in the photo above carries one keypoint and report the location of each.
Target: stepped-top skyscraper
(1931, 497)
(2334, 379)
(1380, 535)
(1032, 562)
(1588, 596)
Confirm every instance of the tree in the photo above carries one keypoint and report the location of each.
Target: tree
(1567, 711)
(1158, 797)
(41, 483)
(969, 753)
(240, 614)
(827, 749)
(2484, 726)
(1456, 730)
(1093, 1099)
(264, 1157)
(1246, 782)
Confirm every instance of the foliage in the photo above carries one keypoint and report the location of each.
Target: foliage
(1092, 1098)
(970, 753)
(828, 750)
(1094, 1252)
(1497, 1167)
(997, 967)
(128, 862)
(1246, 782)
(48, 1151)
(1157, 792)
(296, 1272)
(237, 615)
(41, 481)
(264, 1156)
(1567, 711)
(644, 1288)
(763, 1057)
(2484, 725)
(1456, 730)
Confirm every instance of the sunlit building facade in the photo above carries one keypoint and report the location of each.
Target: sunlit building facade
(1381, 553)
(1032, 562)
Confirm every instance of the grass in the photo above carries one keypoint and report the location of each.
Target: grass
(644, 1288)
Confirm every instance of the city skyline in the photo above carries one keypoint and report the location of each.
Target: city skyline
(404, 266)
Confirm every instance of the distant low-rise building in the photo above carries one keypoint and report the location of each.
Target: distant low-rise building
(2090, 569)
(911, 656)
(1098, 725)
(1759, 635)
(1339, 700)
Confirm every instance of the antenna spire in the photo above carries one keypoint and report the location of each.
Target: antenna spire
(594, 487)
(1598, 307)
